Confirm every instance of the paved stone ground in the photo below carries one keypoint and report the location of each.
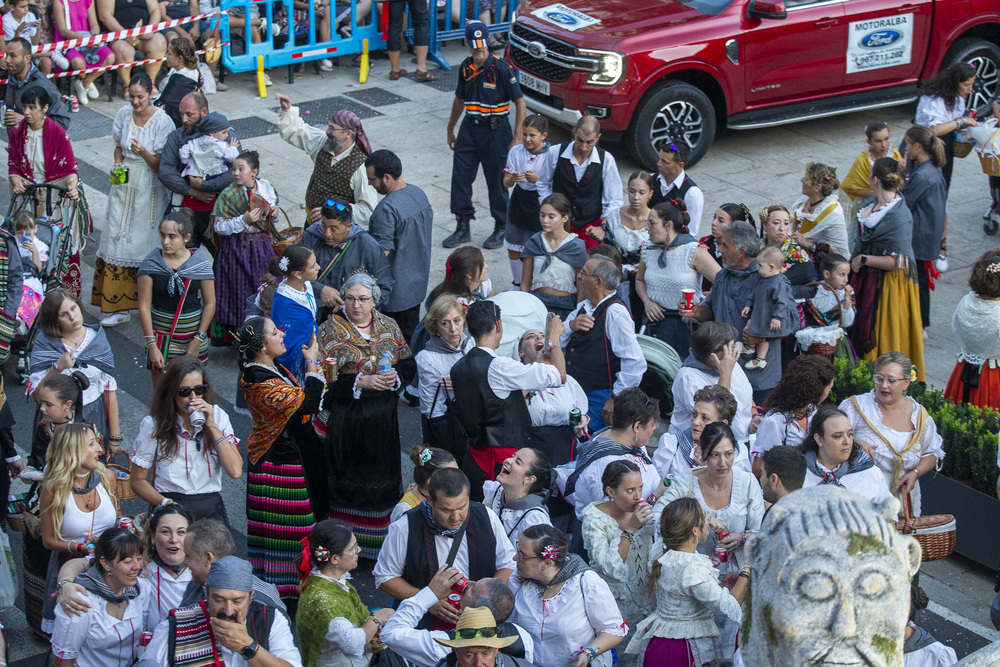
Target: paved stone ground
(756, 167)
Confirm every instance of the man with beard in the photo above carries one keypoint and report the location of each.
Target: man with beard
(783, 471)
(23, 74)
(197, 194)
(339, 155)
(239, 630)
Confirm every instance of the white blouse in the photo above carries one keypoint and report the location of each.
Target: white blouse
(933, 111)
(192, 470)
(868, 483)
(689, 380)
(831, 230)
(780, 428)
(153, 135)
(431, 367)
(36, 154)
(627, 578)
(629, 239)
(688, 596)
(551, 407)
(826, 300)
(165, 592)
(670, 459)
(514, 522)
(583, 608)
(590, 488)
(229, 226)
(744, 512)
(519, 159)
(559, 275)
(100, 381)
(98, 639)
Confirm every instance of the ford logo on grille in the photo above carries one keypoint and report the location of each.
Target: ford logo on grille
(874, 40)
(537, 50)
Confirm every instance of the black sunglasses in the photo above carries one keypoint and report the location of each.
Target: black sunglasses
(472, 633)
(199, 390)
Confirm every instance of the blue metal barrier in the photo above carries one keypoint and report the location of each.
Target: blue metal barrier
(288, 47)
(455, 29)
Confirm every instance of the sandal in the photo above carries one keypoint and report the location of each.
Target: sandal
(755, 364)
(397, 75)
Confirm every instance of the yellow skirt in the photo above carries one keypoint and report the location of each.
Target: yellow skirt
(897, 322)
(115, 287)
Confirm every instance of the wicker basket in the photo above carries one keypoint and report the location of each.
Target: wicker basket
(125, 491)
(935, 532)
(16, 522)
(826, 348)
(288, 236)
(991, 164)
(961, 148)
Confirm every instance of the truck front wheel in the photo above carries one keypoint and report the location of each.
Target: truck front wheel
(672, 111)
(985, 57)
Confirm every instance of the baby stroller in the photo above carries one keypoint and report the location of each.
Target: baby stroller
(55, 215)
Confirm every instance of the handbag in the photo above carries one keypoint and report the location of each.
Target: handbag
(447, 431)
(936, 533)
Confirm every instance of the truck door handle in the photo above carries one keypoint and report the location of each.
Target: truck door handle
(823, 24)
(905, 8)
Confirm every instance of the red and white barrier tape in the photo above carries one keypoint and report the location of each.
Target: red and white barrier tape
(94, 40)
(106, 68)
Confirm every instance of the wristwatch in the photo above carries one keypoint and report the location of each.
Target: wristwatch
(249, 651)
(201, 335)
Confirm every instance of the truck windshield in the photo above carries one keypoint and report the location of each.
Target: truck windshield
(707, 7)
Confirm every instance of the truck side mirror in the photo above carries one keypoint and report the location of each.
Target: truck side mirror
(767, 9)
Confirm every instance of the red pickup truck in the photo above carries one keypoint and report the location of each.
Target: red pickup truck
(689, 69)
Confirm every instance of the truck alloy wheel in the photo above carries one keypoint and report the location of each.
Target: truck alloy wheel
(671, 111)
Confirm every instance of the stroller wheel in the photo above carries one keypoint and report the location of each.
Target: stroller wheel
(991, 225)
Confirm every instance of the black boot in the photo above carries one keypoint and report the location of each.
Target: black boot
(461, 235)
(495, 240)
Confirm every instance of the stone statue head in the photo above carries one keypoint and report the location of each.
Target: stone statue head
(831, 583)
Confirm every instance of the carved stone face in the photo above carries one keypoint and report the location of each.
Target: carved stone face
(828, 592)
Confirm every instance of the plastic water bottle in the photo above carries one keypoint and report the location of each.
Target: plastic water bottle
(384, 363)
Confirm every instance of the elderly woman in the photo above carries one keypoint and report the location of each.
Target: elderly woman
(286, 481)
(633, 423)
(673, 456)
(712, 361)
(721, 219)
(895, 430)
(671, 263)
(135, 207)
(551, 429)
(789, 407)
(834, 456)
(617, 535)
(976, 323)
(188, 460)
(362, 432)
(445, 322)
(519, 492)
(64, 344)
(108, 634)
(884, 272)
(818, 223)
(335, 627)
(566, 607)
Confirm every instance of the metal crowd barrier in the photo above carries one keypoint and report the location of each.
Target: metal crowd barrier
(445, 27)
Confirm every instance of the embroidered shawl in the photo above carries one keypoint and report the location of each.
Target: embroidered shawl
(339, 338)
(59, 158)
(272, 404)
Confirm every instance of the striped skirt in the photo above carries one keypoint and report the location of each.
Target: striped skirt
(175, 346)
(278, 517)
(34, 569)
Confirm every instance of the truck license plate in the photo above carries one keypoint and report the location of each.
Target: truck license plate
(533, 83)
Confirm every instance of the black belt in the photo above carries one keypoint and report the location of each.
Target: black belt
(492, 122)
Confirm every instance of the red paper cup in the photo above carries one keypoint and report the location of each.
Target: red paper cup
(688, 298)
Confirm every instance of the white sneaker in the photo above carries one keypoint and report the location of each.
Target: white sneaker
(326, 65)
(92, 91)
(267, 80)
(114, 319)
(81, 92)
(60, 60)
(221, 87)
(941, 263)
(925, 333)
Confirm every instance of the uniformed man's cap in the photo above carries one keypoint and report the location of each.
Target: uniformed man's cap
(476, 35)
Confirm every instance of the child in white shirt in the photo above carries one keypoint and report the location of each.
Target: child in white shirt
(211, 153)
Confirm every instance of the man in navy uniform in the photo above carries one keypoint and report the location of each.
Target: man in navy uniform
(487, 87)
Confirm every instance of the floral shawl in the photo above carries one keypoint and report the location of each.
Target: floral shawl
(338, 338)
(272, 404)
(59, 159)
(794, 254)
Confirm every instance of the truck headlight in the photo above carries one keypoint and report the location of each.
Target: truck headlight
(611, 66)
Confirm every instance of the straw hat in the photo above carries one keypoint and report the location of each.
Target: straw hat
(475, 621)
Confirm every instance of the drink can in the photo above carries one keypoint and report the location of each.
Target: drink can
(74, 104)
(331, 367)
(197, 416)
(126, 523)
(3, 113)
(145, 638)
(720, 554)
(575, 418)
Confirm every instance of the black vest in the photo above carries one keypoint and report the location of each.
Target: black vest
(673, 193)
(489, 421)
(587, 194)
(506, 630)
(421, 555)
(589, 358)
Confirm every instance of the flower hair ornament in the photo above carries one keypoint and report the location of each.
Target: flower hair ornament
(283, 263)
(550, 552)
(913, 373)
(425, 456)
(993, 266)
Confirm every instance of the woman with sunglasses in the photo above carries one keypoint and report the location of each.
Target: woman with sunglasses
(335, 627)
(893, 429)
(187, 443)
(362, 432)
